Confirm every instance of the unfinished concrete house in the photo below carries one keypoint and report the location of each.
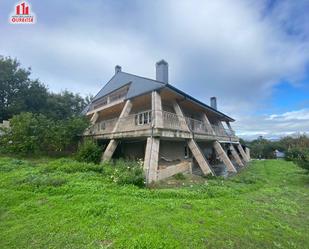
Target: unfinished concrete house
(171, 131)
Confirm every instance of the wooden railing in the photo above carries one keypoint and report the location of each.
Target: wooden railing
(144, 120)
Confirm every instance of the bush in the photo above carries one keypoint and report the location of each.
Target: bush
(298, 155)
(180, 176)
(36, 134)
(89, 152)
(126, 172)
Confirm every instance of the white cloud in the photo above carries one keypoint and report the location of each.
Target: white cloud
(235, 50)
(291, 116)
(275, 125)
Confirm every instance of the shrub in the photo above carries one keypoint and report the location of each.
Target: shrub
(26, 134)
(36, 134)
(180, 176)
(88, 152)
(126, 172)
(298, 155)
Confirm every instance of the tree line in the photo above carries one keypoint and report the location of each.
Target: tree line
(41, 121)
(295, 148)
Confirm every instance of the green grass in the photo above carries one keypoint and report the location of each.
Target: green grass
(65, 204)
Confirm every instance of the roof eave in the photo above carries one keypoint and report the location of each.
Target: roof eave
(199, 102)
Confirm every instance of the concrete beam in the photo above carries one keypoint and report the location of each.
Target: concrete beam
(199, 157)
(236, 156)
(229, 125)
(151, 161)
(208, 124)
(156, 104)
(124, 113)
(94, 118)
(174, 169)
(181, 117)
(223, 156)
(112, 145)
(242, 152)
(110, 149)
(248, 153)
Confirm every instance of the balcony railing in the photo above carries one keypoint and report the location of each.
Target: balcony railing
(144, 120)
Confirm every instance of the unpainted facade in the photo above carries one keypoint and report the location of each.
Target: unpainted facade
(172, 132)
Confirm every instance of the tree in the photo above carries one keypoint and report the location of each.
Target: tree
(63, 105)
(18, 93)
(36, 134)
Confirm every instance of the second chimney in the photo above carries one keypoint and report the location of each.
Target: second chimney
(117, 69)
(162, 71)
(213, 102)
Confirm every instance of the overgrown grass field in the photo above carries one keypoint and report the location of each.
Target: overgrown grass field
(65, 204)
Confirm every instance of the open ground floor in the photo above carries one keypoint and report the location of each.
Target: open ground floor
(165, 157)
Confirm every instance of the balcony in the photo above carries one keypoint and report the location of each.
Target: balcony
(171, 121)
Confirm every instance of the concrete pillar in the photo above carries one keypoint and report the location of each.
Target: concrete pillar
(124, 113)
(94, 118)
(199, 157)
(223, 156)
(157, 114)
(208, 124)
(230, 128)
(110, 149)
(248, 153)
(151, 160)
(229, 125)
(181, 117)
(236, 156)
(242, 152)
(112, 145)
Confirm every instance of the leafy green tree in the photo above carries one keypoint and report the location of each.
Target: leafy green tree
(36, 134)
(65, 104)
(27, 134)
(17, 92)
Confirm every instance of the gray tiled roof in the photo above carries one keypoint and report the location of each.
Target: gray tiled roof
(138, 85)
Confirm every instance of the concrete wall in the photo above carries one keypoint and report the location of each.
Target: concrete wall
(172, 150)
(131, 149)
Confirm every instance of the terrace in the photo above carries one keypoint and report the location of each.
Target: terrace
(143, 121)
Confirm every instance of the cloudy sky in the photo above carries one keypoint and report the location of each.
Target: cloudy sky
(252, 55)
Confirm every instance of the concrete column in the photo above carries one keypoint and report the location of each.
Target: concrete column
(236, 156)
(181, 117)
(242, 152)
(110, 149)
(94, 118)
(208, 124)
(223, 156)
(248, 153)
(199, 157)
(156, 104)
(112, 145)
(151, 160)
(230, 127)
(124, 113)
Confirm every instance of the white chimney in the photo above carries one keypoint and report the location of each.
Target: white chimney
(162, 71)
(117, 69)
(213, 102)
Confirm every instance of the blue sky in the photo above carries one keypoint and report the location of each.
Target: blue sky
(252, 55)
